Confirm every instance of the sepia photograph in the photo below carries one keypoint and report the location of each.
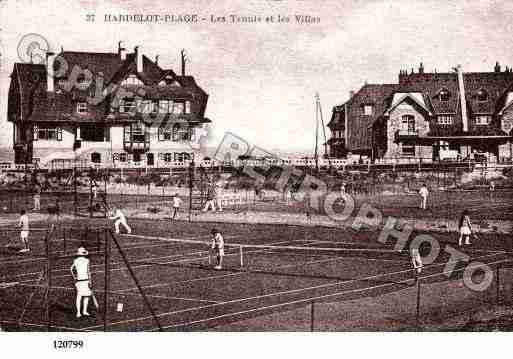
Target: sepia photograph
(256, 171)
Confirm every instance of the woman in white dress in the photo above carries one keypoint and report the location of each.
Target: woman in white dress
(465, 227)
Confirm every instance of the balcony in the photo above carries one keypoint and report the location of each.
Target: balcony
(137, 143)
(406, 135)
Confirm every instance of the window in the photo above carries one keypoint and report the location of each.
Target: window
(83, 83)
(408, 150)
(96, 157)
(483, 120)
(182, 156)
(122, 157)
(445, 119)
(367, 110)
(137, 157)
(166, 157)
(164, 106)
(138, 130)
(132, 80)
(408, 123)
(444, 95)
(147, 106)
(187, 106)
(82, 107)
(127, 106)
(178, 107)
(482, 95)
(181, 133)
(93, 133)
(165, 132)
(51, 133)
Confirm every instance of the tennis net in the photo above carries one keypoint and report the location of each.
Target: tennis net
(303, 259)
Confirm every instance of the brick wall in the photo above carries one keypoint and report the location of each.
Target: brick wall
(505, 150)
(394, 123)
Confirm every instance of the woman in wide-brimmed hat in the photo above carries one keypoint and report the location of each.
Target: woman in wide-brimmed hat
(82, 275)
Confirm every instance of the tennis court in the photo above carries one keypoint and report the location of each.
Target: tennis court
(160, 277)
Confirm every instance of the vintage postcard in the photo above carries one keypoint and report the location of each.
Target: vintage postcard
(255, 166)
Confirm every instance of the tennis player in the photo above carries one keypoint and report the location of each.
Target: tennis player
(82, 276)
(217, 247)
(416, 260)
(465, 228)
(119, 218)
(423, 192)
(23, 224)
(177, 202)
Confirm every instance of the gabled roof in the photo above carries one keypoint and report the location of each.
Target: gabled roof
(400, 97)
(96, 62)
(37, 104)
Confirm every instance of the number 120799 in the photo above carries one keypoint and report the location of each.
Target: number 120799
(68, 344)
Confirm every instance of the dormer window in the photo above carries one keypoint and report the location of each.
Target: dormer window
(83, 83)
(444, 95)
(132, 80)
(82, 107)
(367, 110)
(482, 95)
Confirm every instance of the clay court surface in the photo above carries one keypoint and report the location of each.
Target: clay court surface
(482, 204)
(186, 293)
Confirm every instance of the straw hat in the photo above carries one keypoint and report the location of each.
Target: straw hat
(82, 251)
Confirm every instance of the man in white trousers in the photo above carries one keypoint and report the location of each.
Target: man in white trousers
(119, 218)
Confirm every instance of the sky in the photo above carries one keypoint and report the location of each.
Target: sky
(262, 77)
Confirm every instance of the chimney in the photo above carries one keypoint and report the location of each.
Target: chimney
(121, 51)
(156, 59)
(463, 101)
(351, 94)
(50, 56)
(497, 67)
(182, 55)
(421, 68)
(138, 55)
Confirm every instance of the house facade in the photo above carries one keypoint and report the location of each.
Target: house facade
(113, 109)
(433, 116)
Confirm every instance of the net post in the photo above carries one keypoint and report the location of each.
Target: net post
(417, 314)
(497, 284)
(64, 240)
(312, 316)
(241, 256)
(106, 281)
(191, 185)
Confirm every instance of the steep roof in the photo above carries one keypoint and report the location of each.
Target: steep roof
(37, 104)
(376, 95)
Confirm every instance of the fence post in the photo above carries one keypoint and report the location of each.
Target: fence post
(312, 316)
(48, 280)
(241, 257)
(107, 280)
(417, 314)
(498, 284)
